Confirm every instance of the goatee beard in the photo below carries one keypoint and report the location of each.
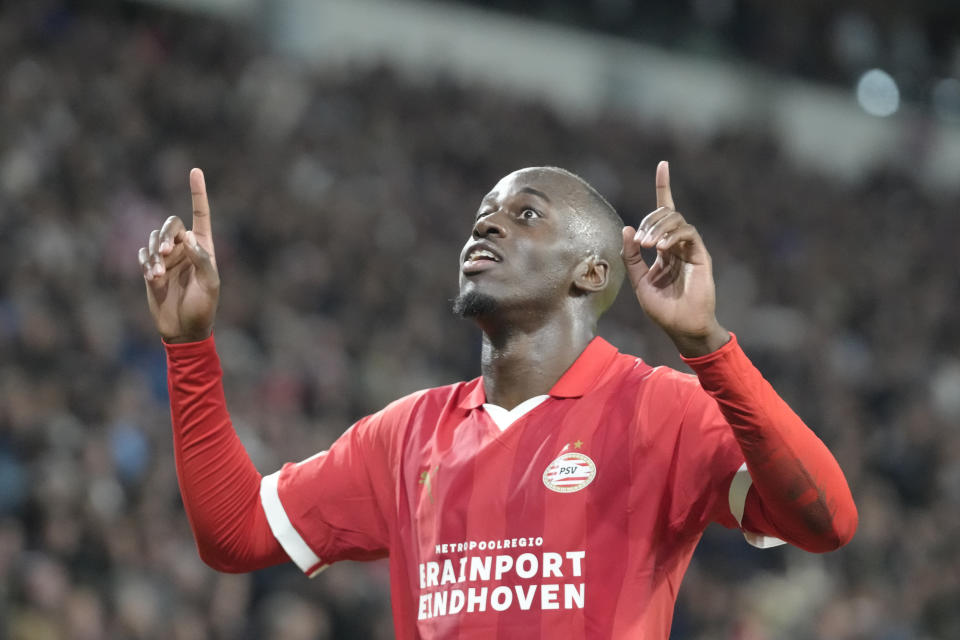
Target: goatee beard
(473, 305)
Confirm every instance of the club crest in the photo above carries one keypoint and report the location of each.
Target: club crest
(569, 472)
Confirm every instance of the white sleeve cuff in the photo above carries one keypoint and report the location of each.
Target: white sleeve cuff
(739, 487)
(288, 537)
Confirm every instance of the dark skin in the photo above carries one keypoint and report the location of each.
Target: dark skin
(538, 328)
(547, 283)
(677, 291)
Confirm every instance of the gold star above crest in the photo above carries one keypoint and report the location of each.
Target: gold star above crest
(578, 444)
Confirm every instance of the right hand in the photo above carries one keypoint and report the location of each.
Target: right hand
(180, 271)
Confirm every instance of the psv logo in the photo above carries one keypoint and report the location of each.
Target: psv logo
(569, 472)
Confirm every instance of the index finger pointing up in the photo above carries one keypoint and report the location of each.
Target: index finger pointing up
(201, 208)
(664, 197)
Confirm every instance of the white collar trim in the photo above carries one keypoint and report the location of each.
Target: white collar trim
(504, 418)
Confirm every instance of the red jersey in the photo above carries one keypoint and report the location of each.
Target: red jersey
(577, 521)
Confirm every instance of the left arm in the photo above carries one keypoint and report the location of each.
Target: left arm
(799, 493)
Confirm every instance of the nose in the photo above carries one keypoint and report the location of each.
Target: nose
(487, 226)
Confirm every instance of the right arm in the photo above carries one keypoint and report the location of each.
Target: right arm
(219, 483)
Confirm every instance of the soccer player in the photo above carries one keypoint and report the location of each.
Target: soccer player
(560, 494)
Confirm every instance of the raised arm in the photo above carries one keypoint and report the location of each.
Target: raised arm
(798, 493)
(218, 482)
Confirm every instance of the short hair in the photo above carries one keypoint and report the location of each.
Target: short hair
(605, 224)
(597, 201)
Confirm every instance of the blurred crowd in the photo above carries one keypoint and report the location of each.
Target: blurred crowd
(340, 202)
(918, 42)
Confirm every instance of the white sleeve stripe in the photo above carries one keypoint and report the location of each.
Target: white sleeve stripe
(288, 537)
(739, 487)
(761, 541)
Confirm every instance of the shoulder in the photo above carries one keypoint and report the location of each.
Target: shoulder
(661, 386)
(433, 396)
(433, 401)
(679, 381)
(413, 418)
(633, 369)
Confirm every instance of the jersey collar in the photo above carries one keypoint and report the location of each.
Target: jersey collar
(575, 381)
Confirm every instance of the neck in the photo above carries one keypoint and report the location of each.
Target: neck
(520, 363)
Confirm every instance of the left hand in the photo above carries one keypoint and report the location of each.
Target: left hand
(677, 291)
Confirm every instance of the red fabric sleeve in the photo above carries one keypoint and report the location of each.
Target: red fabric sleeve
(799, 493)
(218, 482)
(338, 501)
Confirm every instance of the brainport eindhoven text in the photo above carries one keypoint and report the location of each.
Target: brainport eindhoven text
(486, 571)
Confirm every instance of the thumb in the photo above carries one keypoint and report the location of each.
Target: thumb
(632, 258)
(206, 271)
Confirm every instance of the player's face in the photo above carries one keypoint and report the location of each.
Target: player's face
(521, 250)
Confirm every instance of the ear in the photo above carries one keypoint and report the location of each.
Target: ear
(592, 274)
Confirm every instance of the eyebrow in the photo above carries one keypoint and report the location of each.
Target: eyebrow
(530, 190)
(535, 192)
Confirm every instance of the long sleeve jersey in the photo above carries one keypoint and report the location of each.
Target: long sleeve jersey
(578, 520)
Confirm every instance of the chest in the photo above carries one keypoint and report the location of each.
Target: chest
(551, 517)
(563, 473)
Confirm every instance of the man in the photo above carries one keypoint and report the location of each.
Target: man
(562, 493)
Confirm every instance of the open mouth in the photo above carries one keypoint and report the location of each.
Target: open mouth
(479, 259)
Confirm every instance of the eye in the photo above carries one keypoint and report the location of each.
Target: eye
(529, 214)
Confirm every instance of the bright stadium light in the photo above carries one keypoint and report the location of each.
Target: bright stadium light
(877, 93)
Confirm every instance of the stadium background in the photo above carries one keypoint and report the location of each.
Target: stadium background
(346, 146)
